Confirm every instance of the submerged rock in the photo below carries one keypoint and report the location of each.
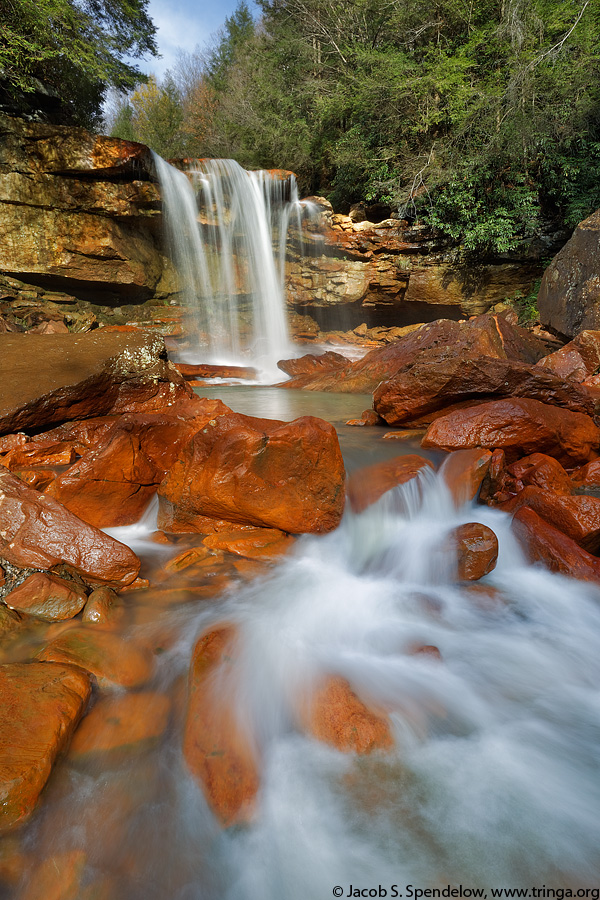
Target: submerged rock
(463, 472)
(367, 485)
(47, 596)
(112, 660)
(42, 703)
(257, 472)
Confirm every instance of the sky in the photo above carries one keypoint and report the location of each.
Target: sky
(184, 24)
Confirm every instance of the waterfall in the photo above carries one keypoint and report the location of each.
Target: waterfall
(227, 232)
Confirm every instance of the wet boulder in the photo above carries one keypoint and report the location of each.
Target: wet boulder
(576, 361)
(463, 472)
(42, 704)
(367, 485)
(476, 548)
(120, 726)
(578, 517)
(313, 363)
(112, 484)
(38, 532)
(542, 471)
(113, 661)
(436, 380)
(47, 596)
(216, 748)
(257, 472)
(519, 427)
(560, 553)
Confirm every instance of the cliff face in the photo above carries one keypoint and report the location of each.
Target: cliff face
(396, 273)
(78, 212)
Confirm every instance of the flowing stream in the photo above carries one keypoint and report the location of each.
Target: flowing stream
(494, 779)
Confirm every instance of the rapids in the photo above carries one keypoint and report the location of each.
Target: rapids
(494, 779)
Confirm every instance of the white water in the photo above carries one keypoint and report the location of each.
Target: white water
(227, 229)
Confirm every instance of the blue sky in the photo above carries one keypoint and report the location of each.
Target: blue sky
(184, 24)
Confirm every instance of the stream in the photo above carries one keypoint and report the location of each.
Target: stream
(494, 778)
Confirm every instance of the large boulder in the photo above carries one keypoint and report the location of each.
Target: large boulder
(542, 542)
(48, 379)
(42, 704)
(367, 485)
(38, 532)
(439, 378)
(519, 427)
(112, 484)
(257, 472)
(569, 297)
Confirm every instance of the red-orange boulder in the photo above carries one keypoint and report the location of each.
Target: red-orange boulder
(113, 484)
(256, 543)
(336, 716)
(544, 543)
(542, 471)
(41, 705)
(587, 476)
(111, 659)
(464, 471)
(313, 363)
(39, 533)
(47, 596)
(367, 485)
(578, 517)
(437, 379)
(476, 548)
(258, 472)
(121, 725)
(577, 360)
(216, 749)
(519, 427)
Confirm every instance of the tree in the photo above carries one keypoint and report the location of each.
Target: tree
(77, 48)
(157, 116)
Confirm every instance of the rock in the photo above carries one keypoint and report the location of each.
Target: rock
(335, 715)
(539, 470)
(489, 336)
(60, 454)
(257, 543)
(97, 221)
(209, 371)
(47, 596)
(578, 517)
(368, 417)
(41, 704)
(367, 485)
(544, 543)
(76, 376)
(569, 296)
(38, 532)
(102, 607)
(36, 478)
(112, 660)
(436, 380)
(113, 484)
(463, 472)
(120, 726)
(587, 476)
(493, 485)
(476, 549)
(59, 877)
(577, 360)
(217, 751)
(258, 472)
(312, 363)
(519, 427)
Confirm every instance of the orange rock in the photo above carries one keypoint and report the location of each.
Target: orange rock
(13, 861)
(38, 532)
(539, 470)
(476, 548)
(216, 749)
(12, 441)
(59, 454)
(102, 606)
(336, 716)
(111, 659)
(464, 471)
(185, 559)
(258, 472)
(249, 569)
(313, 363)
(519, 427)
(113, 484)
(209, 371)
(140, 584)
(578, 517)
(577, 360)
(39, 479)
(494, 485)
(57, 878)
(587, 476)
(121, 725)
(544, 543)
(368, 417)
(367, 485)
(47, 596)
(259, 543)
(41, 704)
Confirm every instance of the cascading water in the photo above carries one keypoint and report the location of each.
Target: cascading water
(227, 229)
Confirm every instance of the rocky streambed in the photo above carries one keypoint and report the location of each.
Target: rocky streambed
(322, 661)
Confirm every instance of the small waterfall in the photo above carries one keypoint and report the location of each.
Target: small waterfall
(227, 230)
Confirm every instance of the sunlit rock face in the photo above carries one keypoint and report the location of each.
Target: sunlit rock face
(78, 212)
(396, 272)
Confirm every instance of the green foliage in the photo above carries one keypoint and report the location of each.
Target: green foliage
(75, 47)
